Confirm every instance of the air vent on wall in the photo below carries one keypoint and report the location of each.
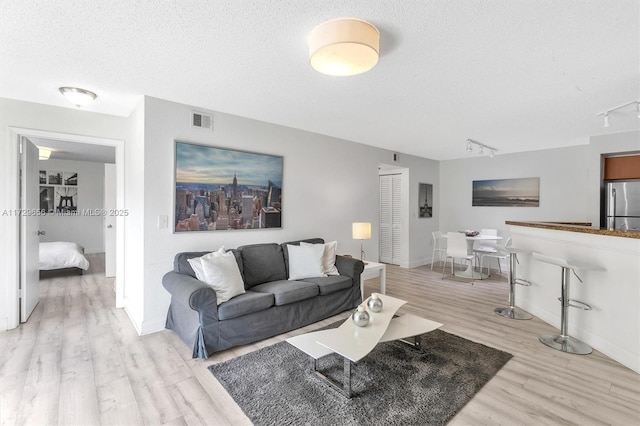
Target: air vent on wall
(202, 121)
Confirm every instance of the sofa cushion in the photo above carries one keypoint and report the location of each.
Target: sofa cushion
(285, 252)
(196, 262)
(244, 304)
(286, 291)
(262, 263)
(181, 261)
(328, 257)
(330, 284)
(305, 261)
(222, 273)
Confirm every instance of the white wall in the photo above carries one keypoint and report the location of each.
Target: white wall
(27, 115)
(569, 184)
(83, 229)
(563, 189)
(328, 184)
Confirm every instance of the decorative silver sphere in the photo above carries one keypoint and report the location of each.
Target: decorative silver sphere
(360, 317)
(374, 303)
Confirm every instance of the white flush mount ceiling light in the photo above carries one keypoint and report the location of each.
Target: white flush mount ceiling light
(471, 142)
(607, 117)
(344, 47)
(78, 97)
(44, 153)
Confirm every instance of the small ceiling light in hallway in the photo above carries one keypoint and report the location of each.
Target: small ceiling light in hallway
(78, 97)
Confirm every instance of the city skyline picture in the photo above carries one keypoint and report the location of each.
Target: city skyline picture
(225, 189)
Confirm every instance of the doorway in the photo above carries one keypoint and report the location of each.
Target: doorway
(16, 134)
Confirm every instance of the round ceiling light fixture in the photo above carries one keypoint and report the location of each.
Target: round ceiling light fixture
(344, 47)
(78, 97)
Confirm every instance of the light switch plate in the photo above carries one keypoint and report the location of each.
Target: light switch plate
(163, 221)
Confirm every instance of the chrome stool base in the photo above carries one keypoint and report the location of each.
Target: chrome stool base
(566, 344)
(513, 313)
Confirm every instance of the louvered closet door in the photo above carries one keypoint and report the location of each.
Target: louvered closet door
(390, 215)
(396, 214)
(385, 219)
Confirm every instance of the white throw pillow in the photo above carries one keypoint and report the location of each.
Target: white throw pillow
(196, 265)
(305, 261)
(222, 273)
(328, 258)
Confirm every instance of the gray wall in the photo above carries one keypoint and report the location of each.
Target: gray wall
(84, 229)
(328, 184)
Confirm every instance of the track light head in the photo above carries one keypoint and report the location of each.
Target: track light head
(638, 108)
(469, 148)
(491, 153)
(607, 123)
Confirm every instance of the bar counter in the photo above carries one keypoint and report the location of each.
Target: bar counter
(613, 325)
(584, 227)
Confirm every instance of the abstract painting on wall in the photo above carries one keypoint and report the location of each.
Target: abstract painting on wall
(226, 189)
(523, 192)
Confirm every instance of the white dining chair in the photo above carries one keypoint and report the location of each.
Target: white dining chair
(457, 249)
(499, 253)
(439, 246)
(482, 247)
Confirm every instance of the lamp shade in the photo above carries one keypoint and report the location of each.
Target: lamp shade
(344, 47)
(361, 230)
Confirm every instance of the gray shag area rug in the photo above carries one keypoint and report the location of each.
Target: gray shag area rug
(394, 385)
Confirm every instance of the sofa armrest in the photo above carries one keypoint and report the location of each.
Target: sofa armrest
(191, 292)
(350, 267)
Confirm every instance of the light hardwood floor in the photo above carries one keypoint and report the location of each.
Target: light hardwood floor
(78, 360)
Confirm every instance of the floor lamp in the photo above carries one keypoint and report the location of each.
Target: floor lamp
(361, 231)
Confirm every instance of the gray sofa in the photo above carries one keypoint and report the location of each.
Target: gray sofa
(271, 305)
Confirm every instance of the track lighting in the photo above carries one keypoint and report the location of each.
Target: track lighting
(607, 118)
(492, 150)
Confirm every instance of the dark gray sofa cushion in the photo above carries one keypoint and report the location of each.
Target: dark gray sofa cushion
(286, 292)
(262, 263)
(243, 304)
(182, 266)
(330, 284)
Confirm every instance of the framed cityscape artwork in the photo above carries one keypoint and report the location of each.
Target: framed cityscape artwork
(219, 189)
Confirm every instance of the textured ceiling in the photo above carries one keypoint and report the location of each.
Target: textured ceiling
(519, 75)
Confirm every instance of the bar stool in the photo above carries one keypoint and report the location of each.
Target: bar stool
(563, 342)
(512, 312)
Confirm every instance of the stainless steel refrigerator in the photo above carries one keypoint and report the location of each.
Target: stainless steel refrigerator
(622, 206)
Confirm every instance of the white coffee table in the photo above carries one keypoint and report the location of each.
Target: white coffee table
(354, 343)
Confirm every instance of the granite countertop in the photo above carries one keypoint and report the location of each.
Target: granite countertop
(584, 227)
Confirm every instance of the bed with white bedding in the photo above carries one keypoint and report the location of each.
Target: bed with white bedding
(62, 255)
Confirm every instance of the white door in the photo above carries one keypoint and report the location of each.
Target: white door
(109, 221)
(29, 232)
(385, 219)
(390, 218)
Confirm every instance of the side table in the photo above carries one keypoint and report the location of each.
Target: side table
(374, 270)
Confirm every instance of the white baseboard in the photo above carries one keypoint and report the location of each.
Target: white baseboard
(153, 326)
(613, 351)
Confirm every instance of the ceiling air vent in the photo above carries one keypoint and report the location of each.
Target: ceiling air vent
(201, 120)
